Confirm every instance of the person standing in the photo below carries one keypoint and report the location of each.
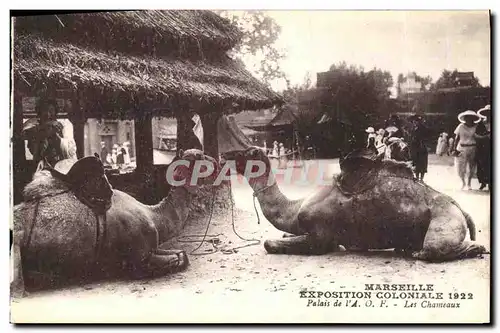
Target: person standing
(465, 146)
(114, 155)
(104, 153)
(275, 152)
(418, 150)
(120, 160)
(283, 160)
(483, 148)
(445, 143)
(370, 142)
(379, 144)
(451, 141)
(439, 146)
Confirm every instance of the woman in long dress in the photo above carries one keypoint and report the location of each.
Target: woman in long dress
(483, 148)
(283, 158)
(370, 141)
(418, 149)
(465, 146)
(439, 146)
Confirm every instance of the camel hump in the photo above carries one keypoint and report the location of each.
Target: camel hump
(43, 185)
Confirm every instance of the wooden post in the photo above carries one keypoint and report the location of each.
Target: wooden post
(77, 118)
(143, 131)
(209, 121)
(20, 175)
(182, 125)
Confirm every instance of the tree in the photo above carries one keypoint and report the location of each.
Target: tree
(448, 79)
(357, 94)
(260, 33)
(291, 92)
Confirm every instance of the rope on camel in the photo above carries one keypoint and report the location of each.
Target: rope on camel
(214, 240)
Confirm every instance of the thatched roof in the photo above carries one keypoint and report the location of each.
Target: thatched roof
(122, 80)
(134, 62)
(183, 33)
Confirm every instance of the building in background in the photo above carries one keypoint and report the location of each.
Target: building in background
(110, 132)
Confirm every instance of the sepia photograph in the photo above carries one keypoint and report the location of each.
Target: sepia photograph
(250, 166)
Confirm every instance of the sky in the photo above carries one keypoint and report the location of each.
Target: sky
(398, 41)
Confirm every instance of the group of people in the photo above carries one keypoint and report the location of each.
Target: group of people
(377, 141)
(279, 152)
(118, 156)
(444, 144)
(472, 147)
(381, 142)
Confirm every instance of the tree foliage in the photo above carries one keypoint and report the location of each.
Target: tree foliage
(260, 33)
(355, 95)
(448, 79)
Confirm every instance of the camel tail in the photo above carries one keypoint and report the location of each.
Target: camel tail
(471, 226)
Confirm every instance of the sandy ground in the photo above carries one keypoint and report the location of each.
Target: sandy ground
(252, 286)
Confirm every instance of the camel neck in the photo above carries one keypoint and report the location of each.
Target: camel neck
(280, 211)
(170, 214)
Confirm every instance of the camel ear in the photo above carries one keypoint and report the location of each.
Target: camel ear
(180, 152)
(97, 155)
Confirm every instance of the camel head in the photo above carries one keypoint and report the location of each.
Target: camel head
(242, 157)
(194, 169)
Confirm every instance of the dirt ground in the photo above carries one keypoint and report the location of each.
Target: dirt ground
(251, 286)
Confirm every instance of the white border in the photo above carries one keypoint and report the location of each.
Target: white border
(127, 4)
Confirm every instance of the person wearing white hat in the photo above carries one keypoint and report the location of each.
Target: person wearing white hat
(283, 161)
(465, 146)
(275, 151)
(370, 142)
(114, 154)
(442, 144)
(483, 149)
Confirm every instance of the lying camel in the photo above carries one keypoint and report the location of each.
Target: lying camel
(59, 238)
(373, 204)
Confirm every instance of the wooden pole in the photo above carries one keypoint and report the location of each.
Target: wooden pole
(20, 176)
(144, 143)
(209, 121)
(182, 125)
(77, 118)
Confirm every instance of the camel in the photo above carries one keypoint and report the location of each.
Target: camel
(59, 238)
(374, 203)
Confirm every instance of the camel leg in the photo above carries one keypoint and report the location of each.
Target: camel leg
(164, 262)
(304, 244)
(467, 249)
(445, 239)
